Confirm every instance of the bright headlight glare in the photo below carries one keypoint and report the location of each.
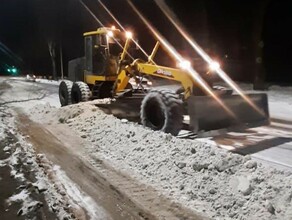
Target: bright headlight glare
(110, 34)
(184, 64)
(129, 34)
(214, 66)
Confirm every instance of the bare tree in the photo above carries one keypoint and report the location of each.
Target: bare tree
(258, 44)
(52, 51)
(50, 18)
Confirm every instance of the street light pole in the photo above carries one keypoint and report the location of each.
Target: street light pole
(61, 62)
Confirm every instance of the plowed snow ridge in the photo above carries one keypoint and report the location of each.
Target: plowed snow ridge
(198, 174)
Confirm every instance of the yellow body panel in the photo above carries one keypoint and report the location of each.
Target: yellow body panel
(168, 73)
(158, 71)
(123, 81)
(91, 79)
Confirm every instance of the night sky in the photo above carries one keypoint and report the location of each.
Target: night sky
(226, 29)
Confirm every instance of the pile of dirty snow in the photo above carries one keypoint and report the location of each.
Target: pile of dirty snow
(201, 176)
(35, 187)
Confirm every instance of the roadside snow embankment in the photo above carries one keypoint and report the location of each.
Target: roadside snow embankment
(199, 175)
(21, 194)
(31, 186)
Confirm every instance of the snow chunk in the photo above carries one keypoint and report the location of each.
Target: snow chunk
(21, 196)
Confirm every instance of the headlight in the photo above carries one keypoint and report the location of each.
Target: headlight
(214, 66)
(110, 34)
(129, 34)
(184, 64)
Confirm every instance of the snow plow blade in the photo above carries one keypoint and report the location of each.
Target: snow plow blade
(207, 114)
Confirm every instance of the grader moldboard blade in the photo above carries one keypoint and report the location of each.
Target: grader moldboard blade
(207, 114)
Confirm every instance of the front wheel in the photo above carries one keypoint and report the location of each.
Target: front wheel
(162, 110)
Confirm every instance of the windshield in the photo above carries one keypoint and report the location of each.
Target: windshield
(113, 41)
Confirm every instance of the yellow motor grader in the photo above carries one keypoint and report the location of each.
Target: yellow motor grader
(107, 69)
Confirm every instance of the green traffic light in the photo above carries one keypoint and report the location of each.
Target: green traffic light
(12, 70)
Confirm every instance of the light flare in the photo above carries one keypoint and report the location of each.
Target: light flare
(9, 53)
(129, 34)
(166, 10)
(214, 66)
(173, 53)
(185, 64)
(121, 26)
(92, 14)
(110, 34)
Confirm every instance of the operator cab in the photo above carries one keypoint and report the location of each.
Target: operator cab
(102, 50)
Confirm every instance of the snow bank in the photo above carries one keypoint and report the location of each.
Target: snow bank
(198, 174)
(22, 163)
(46, 81)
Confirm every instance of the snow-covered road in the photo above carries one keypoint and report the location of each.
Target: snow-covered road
(269, 144)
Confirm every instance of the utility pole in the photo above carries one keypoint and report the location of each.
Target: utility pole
(61, 62)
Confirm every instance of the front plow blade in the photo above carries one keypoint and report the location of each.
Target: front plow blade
(207, 114)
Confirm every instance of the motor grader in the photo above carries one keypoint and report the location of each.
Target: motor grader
(108, 67)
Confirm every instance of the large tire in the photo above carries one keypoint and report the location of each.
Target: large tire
(162, 110)
(65, 92)
(80, 92)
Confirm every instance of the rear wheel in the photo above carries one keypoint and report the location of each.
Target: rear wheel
(80, 92)
(162, 110)
(65, 92)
